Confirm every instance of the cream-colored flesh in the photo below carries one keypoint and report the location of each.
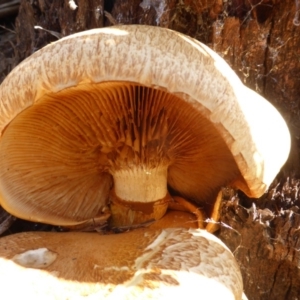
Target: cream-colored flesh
(152, 183)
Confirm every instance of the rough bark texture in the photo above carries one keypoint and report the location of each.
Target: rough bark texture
(266, 244)
(260, 39)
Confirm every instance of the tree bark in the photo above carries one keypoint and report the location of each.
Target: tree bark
(260, 39)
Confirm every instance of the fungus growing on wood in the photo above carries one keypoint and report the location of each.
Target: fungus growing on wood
(114, 119)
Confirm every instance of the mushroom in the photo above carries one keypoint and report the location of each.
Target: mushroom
(112, 120)
(159, 262)
(124, 122)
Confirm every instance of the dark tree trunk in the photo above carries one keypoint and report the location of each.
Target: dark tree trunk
(260, 39)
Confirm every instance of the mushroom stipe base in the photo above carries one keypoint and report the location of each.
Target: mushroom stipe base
(124, 213)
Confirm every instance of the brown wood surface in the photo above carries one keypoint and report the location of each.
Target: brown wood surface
(260, 39)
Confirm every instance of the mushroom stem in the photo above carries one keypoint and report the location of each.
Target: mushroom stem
(141, 183)
(140, 194)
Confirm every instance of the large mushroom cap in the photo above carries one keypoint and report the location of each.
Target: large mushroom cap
(130, 106)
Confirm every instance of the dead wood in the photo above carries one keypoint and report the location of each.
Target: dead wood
(260, 39)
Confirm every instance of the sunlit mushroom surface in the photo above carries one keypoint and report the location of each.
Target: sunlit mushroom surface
(135, 109)
(133, 113)
(147, 263)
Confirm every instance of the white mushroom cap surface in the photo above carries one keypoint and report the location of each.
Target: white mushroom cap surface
(147, 263)
(207, 129)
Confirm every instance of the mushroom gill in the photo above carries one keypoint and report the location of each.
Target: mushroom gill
(67, 151)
